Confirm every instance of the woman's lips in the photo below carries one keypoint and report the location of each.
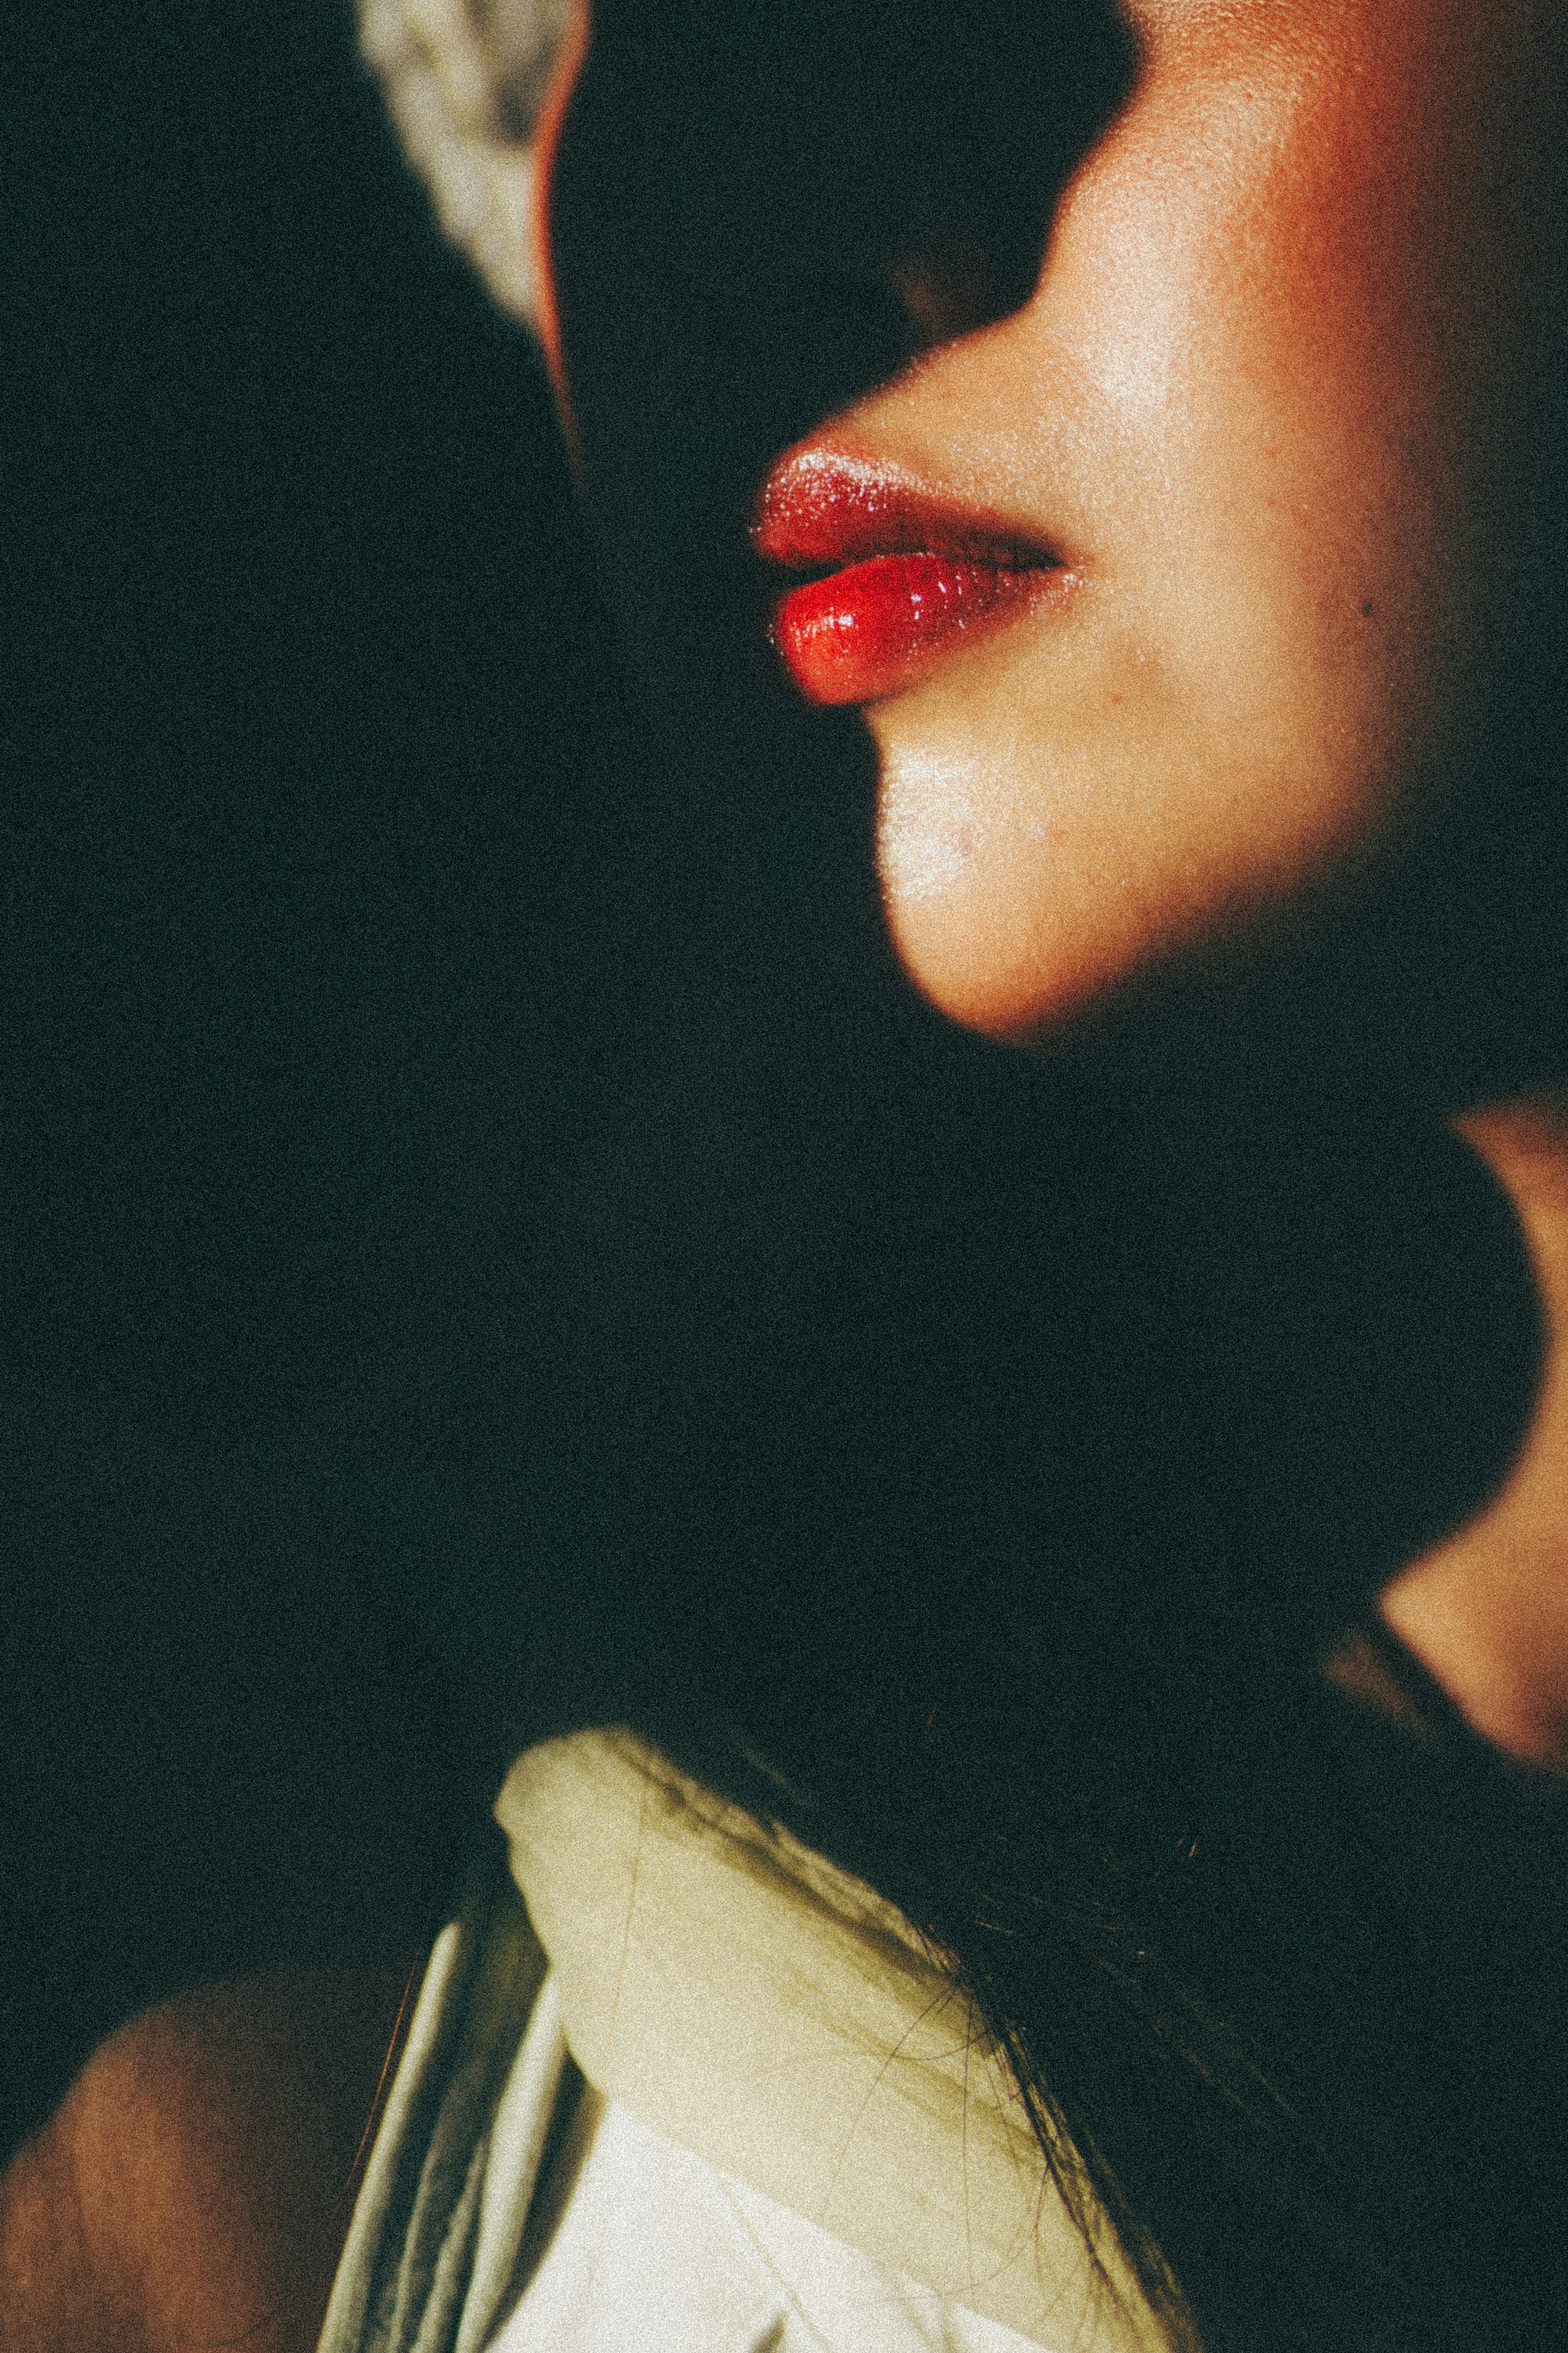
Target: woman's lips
(878, 626)
(915, 574)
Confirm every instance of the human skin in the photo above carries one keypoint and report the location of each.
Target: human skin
(1257, 401)
(1265, 398)
(1486, 1610)
(194, 2187)
(1278, 400)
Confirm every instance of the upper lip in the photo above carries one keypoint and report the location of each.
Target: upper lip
(823, 507)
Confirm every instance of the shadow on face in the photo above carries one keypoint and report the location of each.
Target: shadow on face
(758, 216)
(757, 219)
(1282, 776)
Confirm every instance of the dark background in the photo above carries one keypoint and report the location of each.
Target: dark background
(399, 1055)
(297, 650)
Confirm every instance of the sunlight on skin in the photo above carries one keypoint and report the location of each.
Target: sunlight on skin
(1260, 405)
(1257, 404)
(1252, 405)
(1486, 1612)
(195, 2185)
(1270, 406)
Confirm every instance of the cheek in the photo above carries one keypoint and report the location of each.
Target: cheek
(1260, 375)
(1261, 298)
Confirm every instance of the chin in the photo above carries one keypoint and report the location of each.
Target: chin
(1344, 978)
(1036, 911)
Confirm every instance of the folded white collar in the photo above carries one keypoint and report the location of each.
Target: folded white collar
(746, 1999)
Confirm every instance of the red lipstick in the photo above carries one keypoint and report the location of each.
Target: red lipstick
(910, 575)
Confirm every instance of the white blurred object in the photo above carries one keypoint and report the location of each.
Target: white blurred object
(463, 81)
(656, 2253)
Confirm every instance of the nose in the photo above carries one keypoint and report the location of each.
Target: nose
(902, 157)
(758, 212)
(942, 291)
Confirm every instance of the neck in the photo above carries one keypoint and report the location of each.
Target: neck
(1485, 1611)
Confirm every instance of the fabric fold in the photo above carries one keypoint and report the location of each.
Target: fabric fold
(434, 2241)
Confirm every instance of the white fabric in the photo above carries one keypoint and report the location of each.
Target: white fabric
(463, 81)
(656, 2253)
(517, 2142)
(343, 2315)
(750, 2003)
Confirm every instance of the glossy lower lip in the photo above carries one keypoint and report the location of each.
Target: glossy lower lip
(912, 575)
(881, 625)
